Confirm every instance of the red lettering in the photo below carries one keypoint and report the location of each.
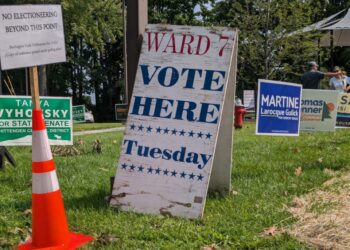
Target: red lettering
(155, 40)
(221, 52)
(184, 43)
(171, 44)
(199, 45)
(190, 44)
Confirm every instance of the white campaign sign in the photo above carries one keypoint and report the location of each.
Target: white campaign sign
(31, 35)
(248, 99)
(319, 110)
(184, 77)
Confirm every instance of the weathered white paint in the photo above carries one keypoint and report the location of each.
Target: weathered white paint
(145, 184)
(220, 179)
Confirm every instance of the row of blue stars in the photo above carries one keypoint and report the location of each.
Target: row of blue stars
(168, 131)
(158, 171)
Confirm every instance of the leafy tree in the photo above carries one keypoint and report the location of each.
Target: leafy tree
(266, 48)
(94, 44)
(93, 34)
(181, 12)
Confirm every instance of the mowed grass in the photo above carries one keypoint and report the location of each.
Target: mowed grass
(263, 181)
(94, 126)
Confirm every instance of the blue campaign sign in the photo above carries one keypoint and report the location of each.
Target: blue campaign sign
(278, 108)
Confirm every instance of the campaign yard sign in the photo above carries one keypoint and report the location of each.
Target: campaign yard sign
(278, 108)
(78, 113)
(248, 99)
(16, 123)
(343, 115)
(121, 111)
(318, 110)
(31, 35)
(175, 129)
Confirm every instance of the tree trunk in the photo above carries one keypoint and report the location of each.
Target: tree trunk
(104, 82)
(0, 82)
(80, 73)
(42, 80)
(73, 70)
(96, 81)
(74, 86)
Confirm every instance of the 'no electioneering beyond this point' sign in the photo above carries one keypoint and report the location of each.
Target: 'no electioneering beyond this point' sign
(181, 105)
(31, 35)
(278, 108)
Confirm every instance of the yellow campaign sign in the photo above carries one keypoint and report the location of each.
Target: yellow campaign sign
(344, 103)
(343, 115)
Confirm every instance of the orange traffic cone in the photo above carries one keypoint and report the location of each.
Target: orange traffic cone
(49, 223)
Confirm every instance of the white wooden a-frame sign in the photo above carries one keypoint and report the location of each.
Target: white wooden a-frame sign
(220, 179)
(179, 123)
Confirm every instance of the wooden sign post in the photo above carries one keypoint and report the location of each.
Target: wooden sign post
(179, 129)
(34, 86)
(32, 35)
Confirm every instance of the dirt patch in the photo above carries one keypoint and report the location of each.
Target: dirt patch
(324, 215)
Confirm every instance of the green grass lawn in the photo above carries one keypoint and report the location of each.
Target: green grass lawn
(94, 126)
(263, 180)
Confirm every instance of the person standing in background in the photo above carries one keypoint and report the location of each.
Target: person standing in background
(338, 82)
(346, 82)
(311, 79)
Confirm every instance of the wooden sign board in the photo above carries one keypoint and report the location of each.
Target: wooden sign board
(179, 127)
(121, 111)
(31, 35)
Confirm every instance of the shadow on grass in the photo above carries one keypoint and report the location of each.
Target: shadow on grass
(19, 205)
(336, 166)
(216, 194)
(96, 200)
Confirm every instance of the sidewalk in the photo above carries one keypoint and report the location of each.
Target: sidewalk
(89, 132)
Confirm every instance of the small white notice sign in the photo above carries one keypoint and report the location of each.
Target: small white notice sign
(248, 99)
(31, 35)
(184, 80)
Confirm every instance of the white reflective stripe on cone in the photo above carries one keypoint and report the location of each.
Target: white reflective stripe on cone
(41, 150)
(45, 182)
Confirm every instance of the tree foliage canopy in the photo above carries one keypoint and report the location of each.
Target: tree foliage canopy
(94, 41)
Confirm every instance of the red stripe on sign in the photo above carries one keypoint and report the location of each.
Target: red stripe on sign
(43, 167)
(38, 122)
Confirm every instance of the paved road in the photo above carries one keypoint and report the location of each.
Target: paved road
(89, 132)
